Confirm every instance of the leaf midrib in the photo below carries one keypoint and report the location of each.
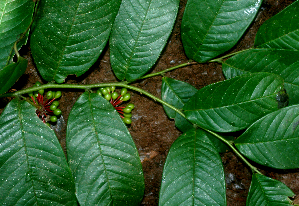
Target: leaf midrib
(226, 106)
(98, 142)
(67, 39)
(278, 39)
(3, 12)
(136, 42)
(199, 50)
(269, 141)
(21, 119)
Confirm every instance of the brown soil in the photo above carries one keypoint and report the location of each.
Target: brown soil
(151, 130)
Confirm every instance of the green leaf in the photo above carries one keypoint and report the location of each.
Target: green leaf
(265, 191)
(281, 31)
(177, 93)
(102, 155)
(33, 168)
(236, 103)
(273, 140)
(139, 34)
(193, 173)
(282, 62)
(11, 73)
(15, 17)
(211, 27)
(70, 35)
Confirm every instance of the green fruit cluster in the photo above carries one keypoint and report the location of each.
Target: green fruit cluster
(46, 108)
(52, 96)
(56, 111)
(35, 94)
(116, 99)
(110, 94)
(127, 113)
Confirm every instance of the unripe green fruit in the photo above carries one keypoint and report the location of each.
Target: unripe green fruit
(99, 92)
(107, 96)
(55, 103)
(49, 95)
(57, 112)
(53, 107)
(112, 89)
(57, 94)
(126, 97)
(37, 84)
(131, 106)
(114, 95)
(30, 94)
(104, 91)
(53, 119)
(123, 91)
(108, 89)
(127, 110)
(127, 120)
(129, 115)
(35, 94)
(41, 91)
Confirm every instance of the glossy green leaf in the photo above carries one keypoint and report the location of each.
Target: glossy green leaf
(265, 191)
(281, 31)
(236, 103)
(193, 173)
(11, 73)
(211, 27)
(273, 140)
(69, 35)
(139, 34)
(15, 17)
(177, 93)
(33, 168)
(282, 62)
(102, 155)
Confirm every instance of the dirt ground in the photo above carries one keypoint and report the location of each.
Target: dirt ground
(151, 130)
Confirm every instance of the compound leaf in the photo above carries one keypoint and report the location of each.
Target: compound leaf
(281, 31)
(102, 155)
(273, 140)
(211, 27)
(265, 191)
(139, 34)
(282, 62)
(177, 93)
(11, 73)
(193, 172)
(33, 168)
(15, 17)
(70, 35)
(236, 103)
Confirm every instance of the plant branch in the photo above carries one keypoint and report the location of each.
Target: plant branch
(90, 86)
(167, 70)
(155, 98)
(125, 84)
(220, 59)
(254, 169)
(16, 49)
